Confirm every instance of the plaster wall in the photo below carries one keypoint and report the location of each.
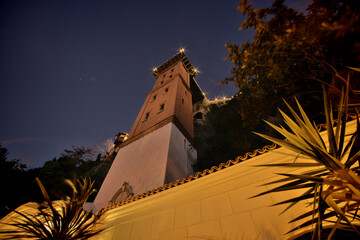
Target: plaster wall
(180, 158)
(159, 157)
(142, 164)
(216, 206)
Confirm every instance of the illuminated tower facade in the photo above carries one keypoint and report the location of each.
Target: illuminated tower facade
(158, 149)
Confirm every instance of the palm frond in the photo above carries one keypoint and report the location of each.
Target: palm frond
(289, 165)
(60, 220)
(335, 189)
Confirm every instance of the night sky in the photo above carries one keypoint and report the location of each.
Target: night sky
(76, 72)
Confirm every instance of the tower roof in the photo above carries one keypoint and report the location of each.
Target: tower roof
(180, 56)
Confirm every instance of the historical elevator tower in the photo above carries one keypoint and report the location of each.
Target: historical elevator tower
(158, 149)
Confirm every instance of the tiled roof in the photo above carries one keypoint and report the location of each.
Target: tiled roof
(213, 169)
(191, 178)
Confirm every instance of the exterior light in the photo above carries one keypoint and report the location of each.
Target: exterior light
(195, 70)
(154, 69)
(182, 50)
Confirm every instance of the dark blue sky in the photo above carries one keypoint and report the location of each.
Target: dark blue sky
(76, 72)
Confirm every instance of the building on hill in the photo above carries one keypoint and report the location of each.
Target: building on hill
(149, 193)
(120, 137)
(201, 108)
(217, 203)
(158, 149)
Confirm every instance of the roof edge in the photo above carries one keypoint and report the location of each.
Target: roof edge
(180, 56)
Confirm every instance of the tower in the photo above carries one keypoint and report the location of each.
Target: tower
(158, 149)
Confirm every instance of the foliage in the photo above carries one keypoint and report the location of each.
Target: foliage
(16, 182)
(293, 54)
(19, 186)
(334, 186)
(64, 219)
(73, 163)
(221, 136)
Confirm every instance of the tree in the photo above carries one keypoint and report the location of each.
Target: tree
(221, 136)
(293, 53)
(73, 163)
(16, 183)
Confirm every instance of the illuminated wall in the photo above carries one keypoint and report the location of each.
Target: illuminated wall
(216, 206)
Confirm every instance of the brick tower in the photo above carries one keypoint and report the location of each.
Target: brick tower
(158, 149)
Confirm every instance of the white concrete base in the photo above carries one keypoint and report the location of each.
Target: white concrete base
(159, 157)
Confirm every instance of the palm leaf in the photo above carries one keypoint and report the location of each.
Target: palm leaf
(316, 172)
(285, 187)
(356, 145)
(289, 165)
(295, 199)
(291, 154)
(68, 220)
(303, 177)
(329, 124)
(287, 145)
(307, 128)
(342, 115)
(331, 187)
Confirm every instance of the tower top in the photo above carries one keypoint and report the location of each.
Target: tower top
(180, 56)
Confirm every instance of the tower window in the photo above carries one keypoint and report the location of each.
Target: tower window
(162, 106)
(182, 101)
(185, 92)
(166, 90)
(170, 76)
(146, 116)
(164, 75)
(154, 97)
(172, 70)
(162, 82)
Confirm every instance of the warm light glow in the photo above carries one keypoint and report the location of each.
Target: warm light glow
(154, 69)
(182, 50)
(196, 70)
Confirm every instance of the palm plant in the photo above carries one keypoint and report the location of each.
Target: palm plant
(332, 184)
(65, 219)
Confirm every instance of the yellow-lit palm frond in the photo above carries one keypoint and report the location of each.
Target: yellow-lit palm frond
(60, 220)
(333, 189)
